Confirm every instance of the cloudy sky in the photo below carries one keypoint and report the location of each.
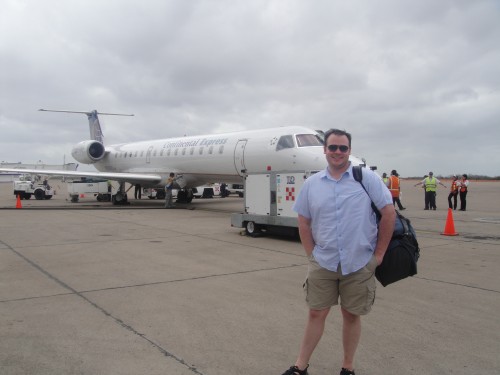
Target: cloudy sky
(417, 83)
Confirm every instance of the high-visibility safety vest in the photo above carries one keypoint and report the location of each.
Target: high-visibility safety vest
(454, 187)
(394, 186)
(463, 187)
(430, 184)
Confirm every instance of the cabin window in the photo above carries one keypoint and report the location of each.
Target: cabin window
(191, 152)
(161, 152)
(210, 150)
(116, 155)
(168, 152)
(286, 141)
(130, 155)
(201, 150)
(142, 153)
(184, 151)
(154, 153)
(307, 140)
(176, 152)
(135, 155)
(221, 149)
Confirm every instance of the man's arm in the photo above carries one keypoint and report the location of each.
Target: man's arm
(305, 233)
(385, 231)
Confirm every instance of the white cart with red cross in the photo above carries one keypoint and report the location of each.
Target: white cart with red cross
(269, 198)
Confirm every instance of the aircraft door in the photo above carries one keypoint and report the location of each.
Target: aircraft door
(148, 154)
(239, 156)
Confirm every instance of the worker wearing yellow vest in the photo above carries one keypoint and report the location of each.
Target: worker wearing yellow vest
(385, 179)
(430, 184)
(453, 192)
(394, 186)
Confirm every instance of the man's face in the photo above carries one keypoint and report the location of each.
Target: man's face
(337, 152)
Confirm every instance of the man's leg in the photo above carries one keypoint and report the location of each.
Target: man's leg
(351, 333)
(427, 198)
(314, 330)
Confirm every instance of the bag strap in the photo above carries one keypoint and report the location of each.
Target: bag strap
(357, 173)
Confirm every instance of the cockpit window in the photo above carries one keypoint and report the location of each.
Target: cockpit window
(286, 141)
(306, 140)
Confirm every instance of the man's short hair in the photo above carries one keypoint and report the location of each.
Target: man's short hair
(338, 132)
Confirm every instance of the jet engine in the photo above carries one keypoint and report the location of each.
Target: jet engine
(88, 152)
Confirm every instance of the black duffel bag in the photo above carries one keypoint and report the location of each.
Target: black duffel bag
(400, 259)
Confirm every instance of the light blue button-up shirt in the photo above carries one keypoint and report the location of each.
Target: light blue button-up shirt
(343, 224)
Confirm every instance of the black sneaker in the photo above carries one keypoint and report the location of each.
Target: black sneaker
(345, 371)
(294, 370)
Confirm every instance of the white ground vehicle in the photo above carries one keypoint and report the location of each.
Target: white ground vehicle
(206, 191)
(25, 188)
(101, 189)
(269, 198)
(236, 189)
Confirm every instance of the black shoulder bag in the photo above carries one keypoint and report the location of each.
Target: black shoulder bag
(400, 259)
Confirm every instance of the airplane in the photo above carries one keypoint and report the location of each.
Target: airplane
(195, 160)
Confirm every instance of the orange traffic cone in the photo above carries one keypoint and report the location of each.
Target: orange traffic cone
(18, 203)
(449, 228)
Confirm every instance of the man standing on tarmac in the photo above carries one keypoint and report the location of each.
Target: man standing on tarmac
(168, 191)
(395, 188)
(338, 230)
(453, 193)
(430, 184)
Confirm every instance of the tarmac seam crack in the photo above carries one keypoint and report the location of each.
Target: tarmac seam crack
(457, 284)
(120, 322)
(149, 284)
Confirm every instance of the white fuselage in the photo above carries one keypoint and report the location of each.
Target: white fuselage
(214, 158)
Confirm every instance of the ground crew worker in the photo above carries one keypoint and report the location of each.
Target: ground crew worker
(395, 189)
(464, 186)
(168, 190)
(430, 184)
(385, 179)
(453, 193)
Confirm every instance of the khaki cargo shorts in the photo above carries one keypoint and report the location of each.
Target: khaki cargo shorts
(356, 290)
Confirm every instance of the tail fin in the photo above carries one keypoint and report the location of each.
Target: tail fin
(94, 124)
(95, 127)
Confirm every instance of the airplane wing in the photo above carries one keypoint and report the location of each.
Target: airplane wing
(121, 177)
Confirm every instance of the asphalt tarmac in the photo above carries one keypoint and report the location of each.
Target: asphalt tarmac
(89, 288)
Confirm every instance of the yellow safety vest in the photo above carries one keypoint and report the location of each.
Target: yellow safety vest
(430, 184)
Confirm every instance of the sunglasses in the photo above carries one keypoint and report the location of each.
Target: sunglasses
(334, 148)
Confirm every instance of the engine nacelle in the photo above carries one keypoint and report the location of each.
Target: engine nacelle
(88, 152)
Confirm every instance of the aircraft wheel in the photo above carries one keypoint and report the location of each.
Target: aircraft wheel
(48, 196)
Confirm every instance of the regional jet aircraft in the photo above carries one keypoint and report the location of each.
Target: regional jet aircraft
(195, 160)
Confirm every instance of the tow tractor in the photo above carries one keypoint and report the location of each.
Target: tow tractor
(25, 188)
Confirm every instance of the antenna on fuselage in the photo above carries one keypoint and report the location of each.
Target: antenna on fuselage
(94, 125)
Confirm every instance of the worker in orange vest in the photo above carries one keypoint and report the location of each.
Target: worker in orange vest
(453, 192)
(463, 187)
(395, 189)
